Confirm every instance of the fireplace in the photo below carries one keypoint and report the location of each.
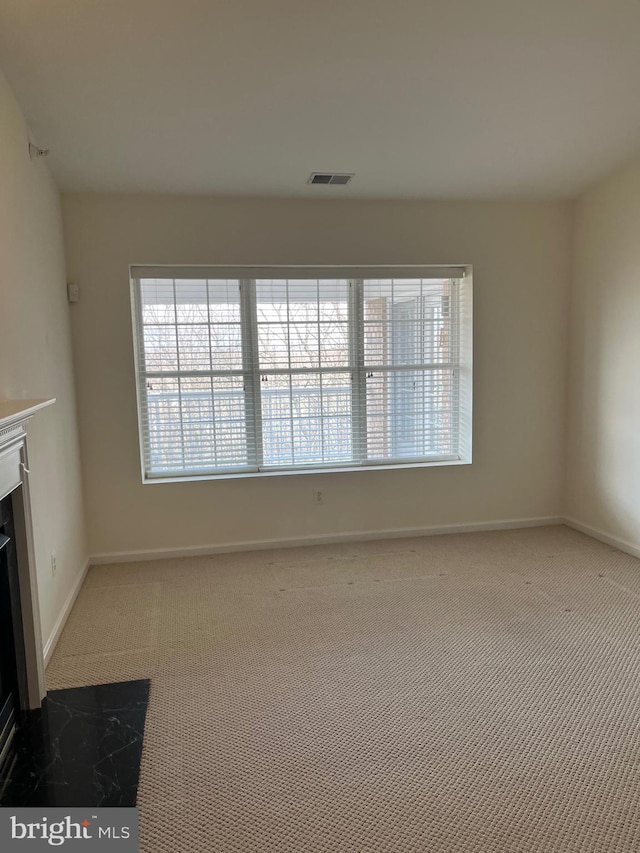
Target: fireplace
(12, 663)
(22, 684)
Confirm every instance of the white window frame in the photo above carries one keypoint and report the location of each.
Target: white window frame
(462, 367)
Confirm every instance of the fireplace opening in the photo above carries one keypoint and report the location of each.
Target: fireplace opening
(12, 653)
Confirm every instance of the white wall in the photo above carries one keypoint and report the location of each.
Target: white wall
(603, 473)
(521, 257)
(35, 355)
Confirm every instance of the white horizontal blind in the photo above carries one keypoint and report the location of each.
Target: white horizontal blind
(195, 414)
(303, 359)
(241, 374)
(411, 346)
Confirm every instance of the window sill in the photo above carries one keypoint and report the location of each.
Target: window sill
(244, 475)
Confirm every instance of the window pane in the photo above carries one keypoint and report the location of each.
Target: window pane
(193, 345)
(208, 317)
(304, 344)
(196, 423)
(303, 298)
(196, 403)
(410, 414)
(306, 419)
(302, 324)
(163, 406)
(157, 299)
(191, 301)
(226, 346)
(407, 322)
(207, 300)
(191, 325)
(160, 348)
(224, 300)
(230, 422)
(334, 344)
(273, 345)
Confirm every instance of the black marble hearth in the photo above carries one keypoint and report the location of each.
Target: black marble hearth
(83, 748)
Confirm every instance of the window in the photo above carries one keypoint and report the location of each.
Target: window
(255, 371)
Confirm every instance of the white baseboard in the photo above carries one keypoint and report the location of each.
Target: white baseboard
(64, 614)
(614, 541)
(322, 539)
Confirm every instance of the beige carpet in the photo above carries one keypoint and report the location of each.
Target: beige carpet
(477, 692)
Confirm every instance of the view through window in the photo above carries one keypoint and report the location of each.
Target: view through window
(265, 374)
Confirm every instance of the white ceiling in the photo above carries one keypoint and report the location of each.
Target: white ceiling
(420, 98)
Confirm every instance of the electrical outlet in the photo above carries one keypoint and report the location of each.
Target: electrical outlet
(54, 565)
(318, 497)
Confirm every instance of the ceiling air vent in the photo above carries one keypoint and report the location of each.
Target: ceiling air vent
(332, 178)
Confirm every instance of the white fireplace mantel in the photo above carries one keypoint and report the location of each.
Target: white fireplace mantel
(14, 481)
(14, 412)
